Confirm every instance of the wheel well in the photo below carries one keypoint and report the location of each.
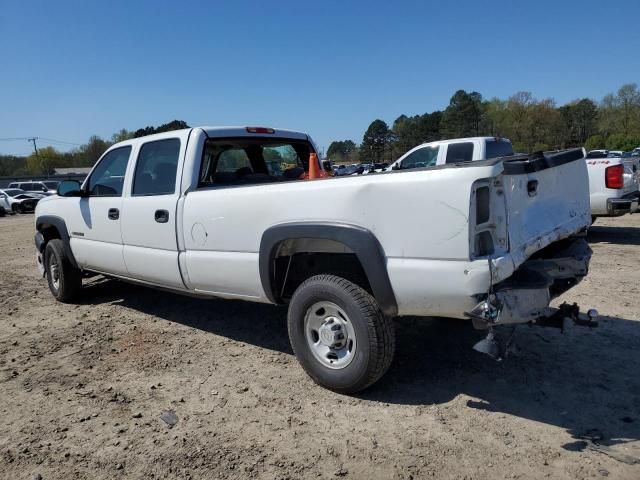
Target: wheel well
(295, 260)
(49, 232)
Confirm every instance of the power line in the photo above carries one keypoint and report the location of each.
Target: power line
(59, 141)
(51, 140)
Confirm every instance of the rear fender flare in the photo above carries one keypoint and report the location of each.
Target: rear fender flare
(359, 240)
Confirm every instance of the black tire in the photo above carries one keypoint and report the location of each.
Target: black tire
(17, 208)
(3, 212)
(69, 278)
(374, 332)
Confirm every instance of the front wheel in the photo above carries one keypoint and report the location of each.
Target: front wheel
(339, 334)
(65, 281)
(17, 208)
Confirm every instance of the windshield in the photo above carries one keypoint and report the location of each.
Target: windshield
(423, 157)
(498, 148)
(13, 192)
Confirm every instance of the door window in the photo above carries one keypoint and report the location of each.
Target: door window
(459, 152)
(108, 177)
(423, 157)
(156, 168)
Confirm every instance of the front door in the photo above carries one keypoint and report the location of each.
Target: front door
(94, 219)
(149, 213)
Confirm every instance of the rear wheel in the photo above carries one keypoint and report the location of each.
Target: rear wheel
(65, 281)
(339, 335)
(17, 208)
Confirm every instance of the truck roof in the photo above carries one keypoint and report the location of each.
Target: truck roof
(468, 139)
(221, 132)
(245, 132)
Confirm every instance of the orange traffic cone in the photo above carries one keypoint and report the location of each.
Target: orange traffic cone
(313, 166)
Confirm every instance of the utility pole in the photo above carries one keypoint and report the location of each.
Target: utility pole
(35, 147)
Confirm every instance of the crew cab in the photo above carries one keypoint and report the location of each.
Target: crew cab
(613, 184)
(456, 150)
(202, 211)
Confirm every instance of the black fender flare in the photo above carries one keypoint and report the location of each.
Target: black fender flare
(61, 226)
(359, 240)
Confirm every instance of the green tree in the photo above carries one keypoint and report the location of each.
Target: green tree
(121, 136)
(91, 151)
(494, 118)
(463, 115)
(413, 131)
(341, 150)
(376, 143)
(166, 127)
(45, 161)
(594, 142)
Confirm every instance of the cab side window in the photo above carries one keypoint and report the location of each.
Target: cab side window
(423, 157)
(157, 167)
(108, 177)
(459, 152)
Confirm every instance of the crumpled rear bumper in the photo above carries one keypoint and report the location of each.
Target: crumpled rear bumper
(525, 295)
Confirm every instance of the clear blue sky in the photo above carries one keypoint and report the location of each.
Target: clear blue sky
(70, 69)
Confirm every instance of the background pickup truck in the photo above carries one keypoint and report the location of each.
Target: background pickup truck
(614, 181)
(453, 151)
(225, 212)
(613, 184)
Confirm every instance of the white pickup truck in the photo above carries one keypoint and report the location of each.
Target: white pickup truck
(614, 184)
(456, 150)
(613, 180)
(203, 211)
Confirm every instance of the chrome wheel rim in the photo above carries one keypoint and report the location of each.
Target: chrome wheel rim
(54, 272)
(330, 335)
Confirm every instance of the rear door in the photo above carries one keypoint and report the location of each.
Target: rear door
(149, 212)
(546, 200)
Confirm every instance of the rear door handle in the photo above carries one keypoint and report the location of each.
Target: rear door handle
(114, 214)
(162, 216)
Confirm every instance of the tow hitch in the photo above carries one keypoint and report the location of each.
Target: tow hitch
(562, 317)
(486, 316)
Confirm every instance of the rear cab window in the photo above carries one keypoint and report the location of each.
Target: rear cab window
(253, 160)
(459, 152)
(498, 148)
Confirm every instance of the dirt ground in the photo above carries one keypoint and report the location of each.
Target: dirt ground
(83, 387)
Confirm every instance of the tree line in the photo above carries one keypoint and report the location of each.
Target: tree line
(531, 124)
(48, 158)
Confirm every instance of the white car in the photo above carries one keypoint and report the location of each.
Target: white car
(199, 212)
(39, 188)
(15, 200)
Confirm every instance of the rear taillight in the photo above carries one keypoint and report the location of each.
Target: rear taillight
(614, 176)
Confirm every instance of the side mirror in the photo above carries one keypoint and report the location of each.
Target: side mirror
(396, 166)
(326, 165)
(69, 188)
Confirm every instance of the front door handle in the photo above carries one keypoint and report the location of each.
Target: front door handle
(114, 214)
(162, 216)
